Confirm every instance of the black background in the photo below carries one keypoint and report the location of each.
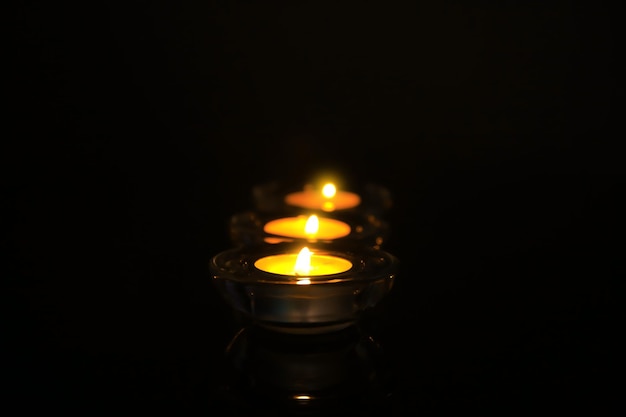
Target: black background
(135, 131)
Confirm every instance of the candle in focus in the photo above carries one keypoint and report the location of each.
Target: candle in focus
(311, 227)
(326, 199)
(303, 265)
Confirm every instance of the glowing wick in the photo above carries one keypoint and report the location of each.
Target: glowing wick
(329, 190)
(303, 262)
(312, 225)
(303, 265)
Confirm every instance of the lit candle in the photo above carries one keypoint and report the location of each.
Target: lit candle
(328, 198)
(308, 227)
(315, 288)
(303, 265)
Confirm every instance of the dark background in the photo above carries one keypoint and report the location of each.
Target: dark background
(135, 131)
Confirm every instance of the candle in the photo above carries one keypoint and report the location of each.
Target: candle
(303, 265)
(311, 227)
(317, 288)
(328, 198)
(251, 227)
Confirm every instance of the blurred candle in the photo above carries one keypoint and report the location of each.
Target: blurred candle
(303, 265)
(328, 198)
(307, 227)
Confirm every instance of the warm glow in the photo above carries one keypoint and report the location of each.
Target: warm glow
(329, 198)
(329, 190)
(308, 227)
(328, 206)
(303, 262)
(312, 225)
(303, 265)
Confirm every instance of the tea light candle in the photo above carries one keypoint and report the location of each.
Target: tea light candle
(308, 227)
(253, 227)
(327, 199)
(304, 264)
(316, 288)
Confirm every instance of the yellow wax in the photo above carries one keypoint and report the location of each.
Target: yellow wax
(295, 227)
(285, 264)
(321, 200)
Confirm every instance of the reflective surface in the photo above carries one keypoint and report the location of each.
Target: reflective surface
(306, 374)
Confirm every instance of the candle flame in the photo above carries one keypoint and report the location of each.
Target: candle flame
(329, 190)
(312, 225)
(303, 262)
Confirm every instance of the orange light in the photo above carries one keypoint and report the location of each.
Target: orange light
(308, 227)
(328, 198)
(329, 190)
(303, 262)
(303, 265)
(312, 225)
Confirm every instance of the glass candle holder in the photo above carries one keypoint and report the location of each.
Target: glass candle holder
(261, 283)
(253, 228)
(279, 196)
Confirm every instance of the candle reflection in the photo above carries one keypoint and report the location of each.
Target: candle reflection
(296, 372)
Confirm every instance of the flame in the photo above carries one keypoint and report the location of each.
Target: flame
(329, 190)
(303, 262)
(312, 225)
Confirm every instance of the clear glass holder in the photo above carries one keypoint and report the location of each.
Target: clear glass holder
(328, 303)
